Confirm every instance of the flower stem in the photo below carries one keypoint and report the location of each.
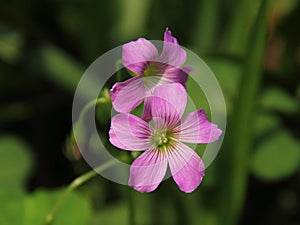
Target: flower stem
(236, 36)
(206, 30)
(240, 138)
(131, 207)
(92, 103)
(75, 184)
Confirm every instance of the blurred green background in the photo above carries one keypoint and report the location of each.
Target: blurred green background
(252, 47)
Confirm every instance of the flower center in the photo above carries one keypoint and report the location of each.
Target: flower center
(163, 139)
(160, 138)
(151, 70)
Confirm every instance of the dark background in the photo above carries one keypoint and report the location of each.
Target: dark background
(45, 46)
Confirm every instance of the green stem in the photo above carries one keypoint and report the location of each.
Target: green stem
(75, 184)
(132, 22)
(237, 32)
(131, 207)
(89, 105)
(239, 141)
(79, 125)
(207, 24)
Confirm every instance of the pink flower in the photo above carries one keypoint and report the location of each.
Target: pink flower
(152, 69)
(163, 143)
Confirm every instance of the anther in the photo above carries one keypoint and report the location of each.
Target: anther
(165, 140)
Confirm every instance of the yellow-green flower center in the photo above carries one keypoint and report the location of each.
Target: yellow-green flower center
(163, 139)
(151, 70)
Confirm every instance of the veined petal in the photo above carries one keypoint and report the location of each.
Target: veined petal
(150, 83)
(168, 104)
(127, 95)
(147, 171)
(147, 115)
(137, 54)
(186, 167)
(172, 54)
(129, 132)
(176, 75)
(169, 38)
(195, 128)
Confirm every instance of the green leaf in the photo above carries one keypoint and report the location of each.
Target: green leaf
(277, 157)
(59, 67)
(74, 210)
(265, 122)
(206, 216)
(277, 99)
(11, 42)
(12, 206)
(15, 161)
(114, 214)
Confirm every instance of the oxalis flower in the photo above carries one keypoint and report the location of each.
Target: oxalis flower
(163, 143)
(151, 69)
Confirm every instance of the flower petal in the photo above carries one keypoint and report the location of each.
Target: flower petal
(195, 128)
(186, 167)
(172, 54)
(137, 54)
(147, 171)
(176, 75)
(168, 104)
(130, 132)
(127, 95)
(147, 116)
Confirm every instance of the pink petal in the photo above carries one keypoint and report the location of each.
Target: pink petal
(186, 167)
(130, 132)
(195, 128)
(147, 171)
(114, 140)
(168, 104)
(172, 54)
(151, 83)
(147, 116)
(176, 75)
(169, 38)
(127, 95)
(137, 54)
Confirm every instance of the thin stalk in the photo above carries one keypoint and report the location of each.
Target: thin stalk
(79, 125)
(89, 105)
(73, 185)
(239, 141)
(132, 22)
(207, 24)
(131, 211)
(237, 32)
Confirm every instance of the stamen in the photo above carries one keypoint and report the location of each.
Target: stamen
(151, 70)
(163, 140)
